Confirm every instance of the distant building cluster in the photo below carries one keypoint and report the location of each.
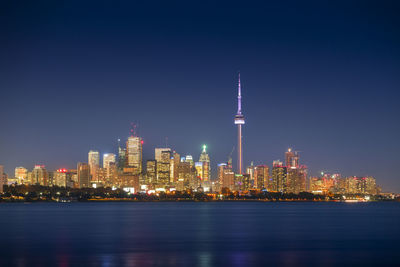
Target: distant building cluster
(167, 171)
(170, 171)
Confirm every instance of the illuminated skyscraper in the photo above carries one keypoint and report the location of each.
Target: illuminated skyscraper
(175, 160)
(296, 174)
(62, 178)
(134, 153)
(94, 163)
(250, 171)
(189, 158)
(226, 176)
(205, 160)
(83, 175)
(21, 174)
(40, 175)
(292, 158)
(158, 151)
(279, 174)
(186, 177)
(151, 171)
(109, 164)
(163, 168)
(296, 179)
(108, 158)
(121, 156)
(239, 121)
(261, 176)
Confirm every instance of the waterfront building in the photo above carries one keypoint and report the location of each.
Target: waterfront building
(151, 171)
(94, 164)
(62, 178)
(242, 182)
(134, 148)
(129, 181)
(296, 179)
(361, 185)
(83, 171)
(163, 167)
(109, 164)
(279, 175)
(205, 170)
(21, 175)
(261, 177)
(226, 176)
(174, 161)
(250, 171)
(186, 176)
(40, 175)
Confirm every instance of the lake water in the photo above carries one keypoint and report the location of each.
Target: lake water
(200, 234)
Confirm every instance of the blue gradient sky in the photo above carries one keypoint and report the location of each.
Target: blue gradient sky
(322, 77)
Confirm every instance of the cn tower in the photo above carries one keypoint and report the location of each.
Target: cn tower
(239, 121)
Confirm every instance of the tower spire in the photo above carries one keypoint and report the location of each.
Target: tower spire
(239, 97)
(239, 121)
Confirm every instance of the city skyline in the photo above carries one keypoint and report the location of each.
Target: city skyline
(136, 160)
(167, 170)
(317, 78)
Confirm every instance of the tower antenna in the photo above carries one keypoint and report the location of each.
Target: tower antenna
(133, 129)
(239, 121)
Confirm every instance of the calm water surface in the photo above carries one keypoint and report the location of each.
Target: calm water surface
(200, 234)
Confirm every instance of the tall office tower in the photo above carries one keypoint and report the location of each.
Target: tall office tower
(250, 171)
(352, 185)
(296, 179)
(199, 169)
(62, 178)
(226, 176)
(370, 186)
(109, 163)
(158, 151)
(83, 175)
(296, 174)
(21, 174)
(279, 175)
(205, 160)
(261, 177)
(134, 148)
(185, 178)
(239, 121)
(292, 158)
(40, 175)
(73, 178)
(108, 158)
(151, 171)
(189, 158)
(163, 168)
(175, 160)
(121, 156)
(2, 178)
(94, 164)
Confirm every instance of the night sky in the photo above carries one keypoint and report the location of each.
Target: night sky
(322, 77)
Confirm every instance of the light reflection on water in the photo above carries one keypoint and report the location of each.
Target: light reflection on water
(199, 234)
